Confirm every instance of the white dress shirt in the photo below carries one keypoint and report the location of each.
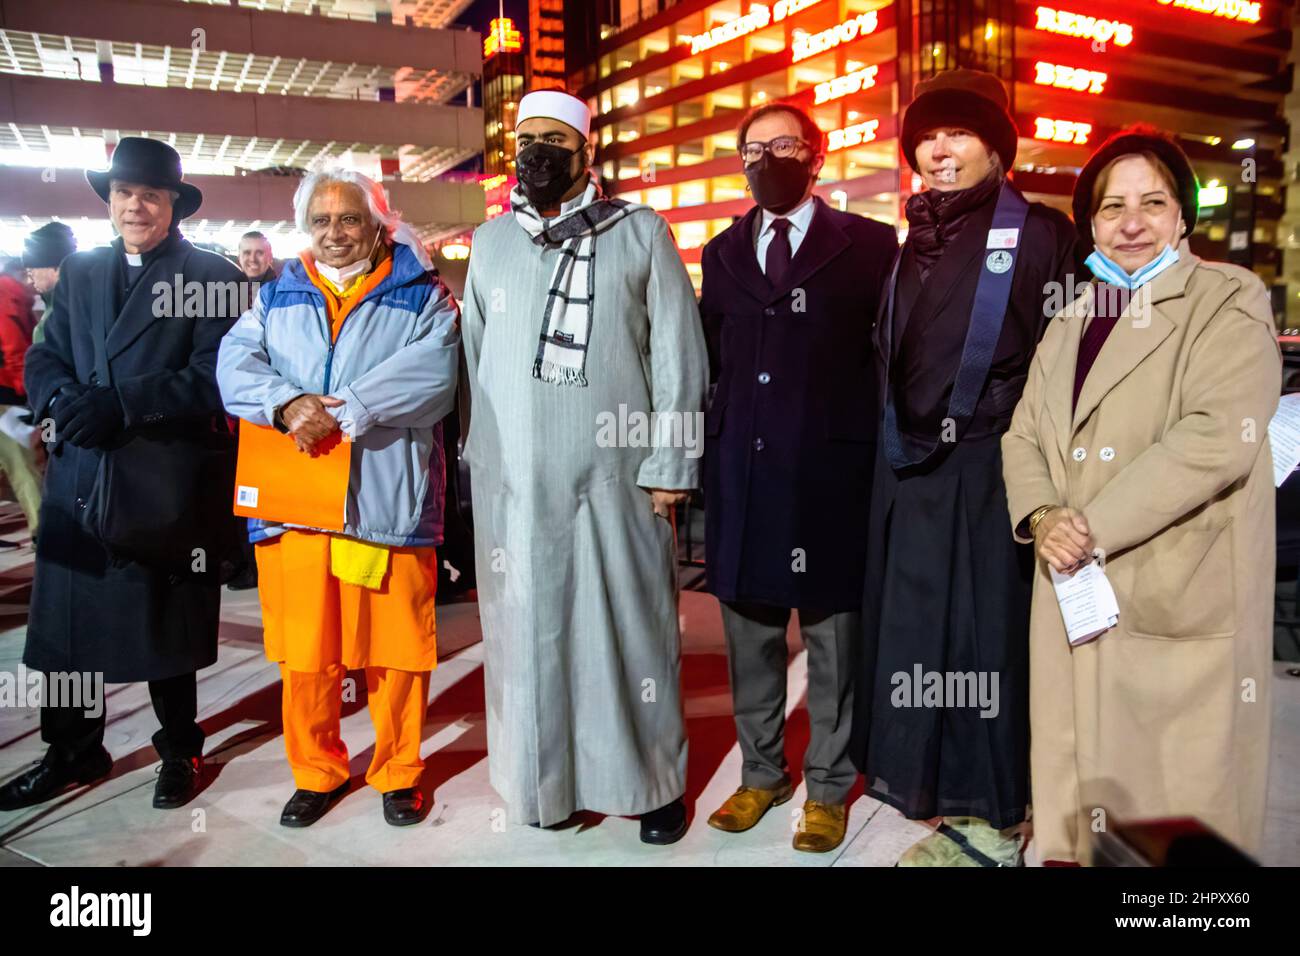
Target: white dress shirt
(799, 217)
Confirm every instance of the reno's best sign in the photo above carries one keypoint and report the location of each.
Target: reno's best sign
(810, 44)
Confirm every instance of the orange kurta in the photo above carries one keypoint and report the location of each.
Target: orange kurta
(311, 619)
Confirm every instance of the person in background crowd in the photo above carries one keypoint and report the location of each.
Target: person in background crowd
(17, 459)
(947, 589)
(255, 258)
(1142, 441)
(113, 371)
(788, 297)
(43, 253)
(257, 263)
(357, 336)
(578, 308)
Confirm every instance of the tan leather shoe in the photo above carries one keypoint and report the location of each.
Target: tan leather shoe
(746, 807)
(822, 828)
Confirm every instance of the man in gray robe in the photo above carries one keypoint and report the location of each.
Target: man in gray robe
(587, 373)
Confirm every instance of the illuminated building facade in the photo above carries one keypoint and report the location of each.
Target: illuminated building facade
(250, 97)
(546, 44)
(503, 85)
(669, 81)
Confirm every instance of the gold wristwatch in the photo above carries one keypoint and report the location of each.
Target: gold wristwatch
(1036, 517)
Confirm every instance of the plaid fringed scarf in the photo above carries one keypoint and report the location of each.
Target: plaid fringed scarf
(570, 301)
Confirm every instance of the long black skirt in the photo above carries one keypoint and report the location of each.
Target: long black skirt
(941, 710)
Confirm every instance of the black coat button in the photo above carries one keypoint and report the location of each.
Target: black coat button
(764, 378)
(759, 444)
(769, 311)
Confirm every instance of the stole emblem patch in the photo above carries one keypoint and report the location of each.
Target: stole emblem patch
(998, 262)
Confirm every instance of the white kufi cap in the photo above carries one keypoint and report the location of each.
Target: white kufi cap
(555, 105)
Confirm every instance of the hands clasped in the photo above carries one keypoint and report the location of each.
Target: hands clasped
(309, 421)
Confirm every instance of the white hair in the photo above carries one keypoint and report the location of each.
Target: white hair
(381, 213)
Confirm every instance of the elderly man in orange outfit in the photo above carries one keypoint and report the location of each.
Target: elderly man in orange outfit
(358, 336)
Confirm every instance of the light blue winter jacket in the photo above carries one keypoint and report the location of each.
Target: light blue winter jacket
(394, 365)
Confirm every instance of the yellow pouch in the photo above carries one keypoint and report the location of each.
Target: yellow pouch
(358, 562)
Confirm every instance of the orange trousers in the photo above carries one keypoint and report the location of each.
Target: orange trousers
(311, 704)
(317, 628)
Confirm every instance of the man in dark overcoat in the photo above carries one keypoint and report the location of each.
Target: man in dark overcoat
(788, 297)
(124, 375)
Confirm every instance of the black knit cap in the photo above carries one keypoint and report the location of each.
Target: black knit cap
(48, 246)
(970, 99)
(1138, 138)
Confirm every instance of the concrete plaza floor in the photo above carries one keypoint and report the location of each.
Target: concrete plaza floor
(234, 821)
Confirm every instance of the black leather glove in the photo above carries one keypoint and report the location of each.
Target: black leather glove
(93, 418)
(61, 405)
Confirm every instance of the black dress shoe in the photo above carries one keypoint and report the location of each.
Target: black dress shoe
(305, 807)
(665, 825)
(178, 782)
(557, 825)
(403, 807)
(51, 777)
(246, 580)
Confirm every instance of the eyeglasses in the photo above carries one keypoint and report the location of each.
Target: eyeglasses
(782, 147)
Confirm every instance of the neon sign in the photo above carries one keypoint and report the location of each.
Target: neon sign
(758, 17)
(1085, 28)
(1069, 78)
(845, 85)
(1242, 10)
(854, 135)
(502, 37)
(810, 44)
(1212, 194)
(1061, 131)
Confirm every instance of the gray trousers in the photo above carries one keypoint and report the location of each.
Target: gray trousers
(757, 660)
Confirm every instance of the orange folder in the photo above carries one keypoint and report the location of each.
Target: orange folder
(276, 482)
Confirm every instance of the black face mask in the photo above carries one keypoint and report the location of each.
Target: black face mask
(778, 184)
(544, 173)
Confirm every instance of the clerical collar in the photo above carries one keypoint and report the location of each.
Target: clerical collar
(134, 258)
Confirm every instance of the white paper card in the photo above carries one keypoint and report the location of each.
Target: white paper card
(1003, 238)
(1284, 436)
(1087, 601)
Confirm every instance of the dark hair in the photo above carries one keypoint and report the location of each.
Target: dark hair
(1103, 177)
(810, 130)
(254, 234)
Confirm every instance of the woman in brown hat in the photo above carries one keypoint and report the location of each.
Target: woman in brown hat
(941, 723)
(1141, 442)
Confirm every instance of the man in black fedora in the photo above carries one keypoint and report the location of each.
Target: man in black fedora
(128, 563)
(941, 723)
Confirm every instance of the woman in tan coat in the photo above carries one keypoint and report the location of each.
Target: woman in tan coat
(1141, 441)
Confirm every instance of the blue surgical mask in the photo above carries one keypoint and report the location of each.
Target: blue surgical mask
(1107, 270)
